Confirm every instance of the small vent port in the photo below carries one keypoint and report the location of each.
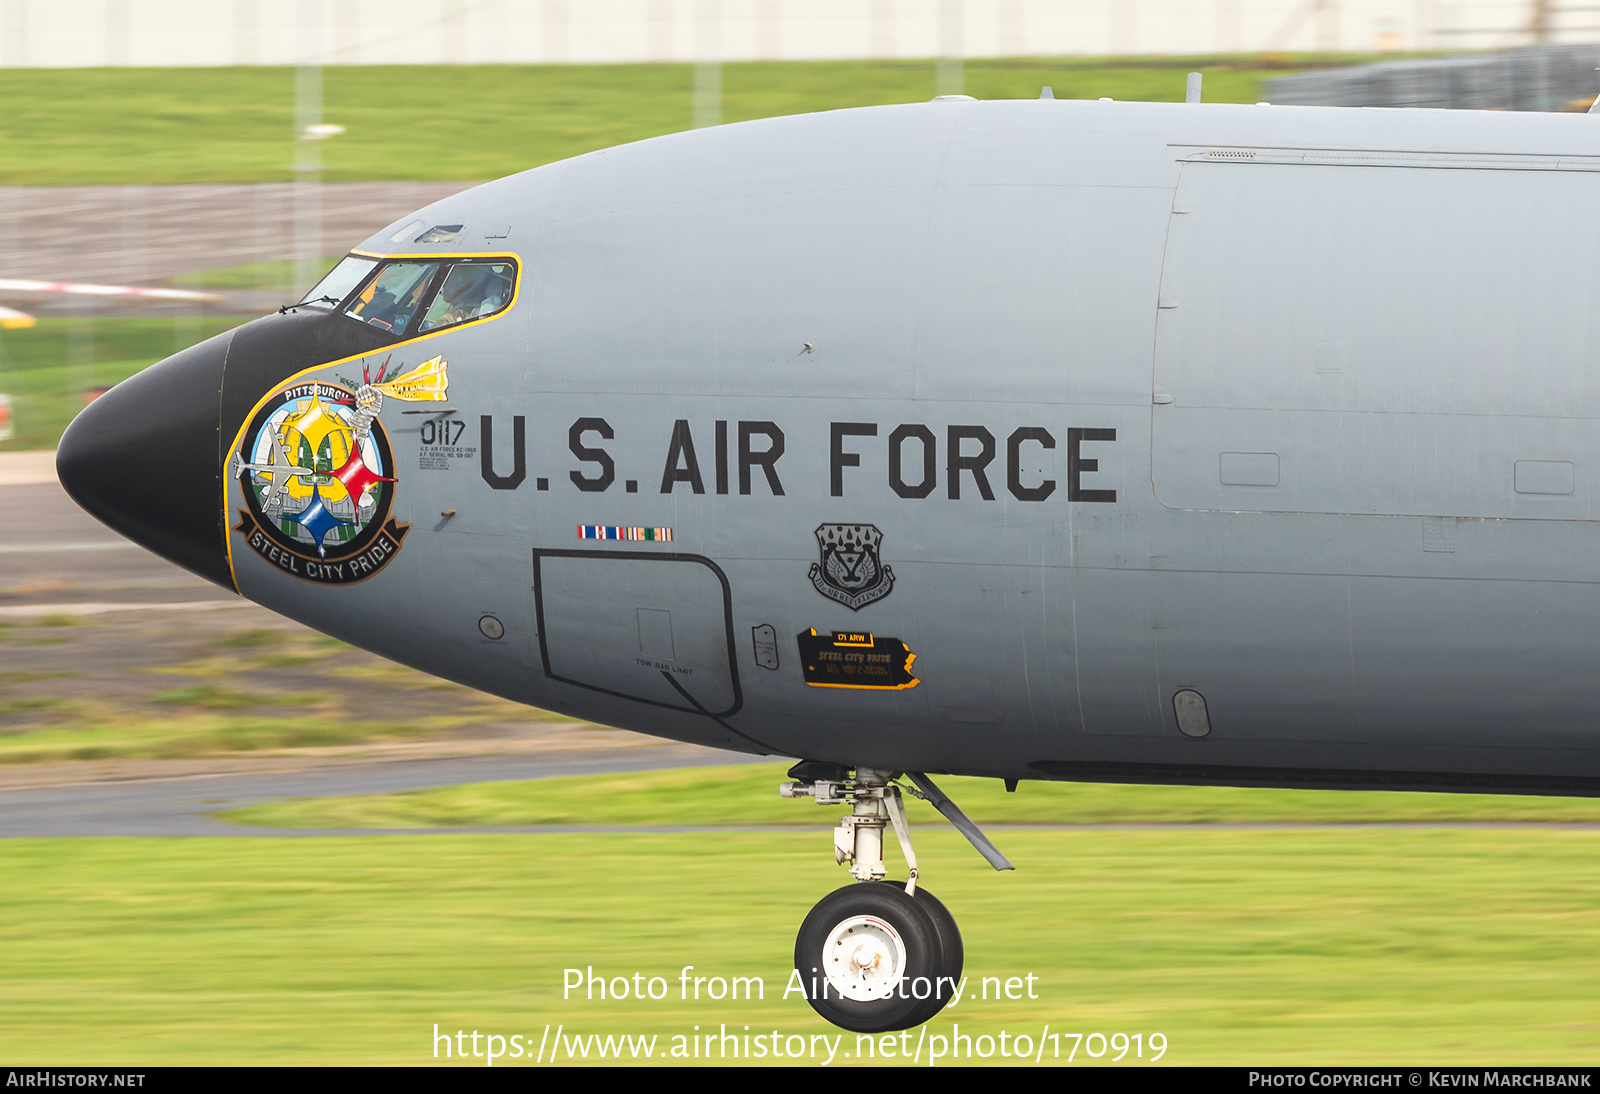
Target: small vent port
(1190, 707)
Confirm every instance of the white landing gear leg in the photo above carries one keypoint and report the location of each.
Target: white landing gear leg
(875, 956)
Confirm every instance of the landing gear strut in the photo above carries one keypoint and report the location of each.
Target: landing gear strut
(878, 955)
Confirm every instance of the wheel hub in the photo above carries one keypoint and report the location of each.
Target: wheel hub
(864, 959)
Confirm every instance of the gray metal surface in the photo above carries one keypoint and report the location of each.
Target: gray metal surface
(1272, 405)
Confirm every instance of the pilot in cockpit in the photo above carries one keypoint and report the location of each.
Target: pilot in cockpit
(471, 290)
(393, 297)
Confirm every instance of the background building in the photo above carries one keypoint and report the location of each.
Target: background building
(69, 33)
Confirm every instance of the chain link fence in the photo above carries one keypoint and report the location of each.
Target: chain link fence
(1548, 78)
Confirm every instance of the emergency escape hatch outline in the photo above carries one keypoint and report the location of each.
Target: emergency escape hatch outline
(631, 556)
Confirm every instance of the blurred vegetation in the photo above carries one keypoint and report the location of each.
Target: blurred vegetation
(251, 690)
(743, 794)
(453, 122)
(51, 368)
(1311, 947)
(279, 275)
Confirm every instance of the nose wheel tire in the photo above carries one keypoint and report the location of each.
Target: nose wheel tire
(874, 959)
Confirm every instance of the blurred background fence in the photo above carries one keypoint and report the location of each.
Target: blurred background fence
(239, 242)
(1540, 77)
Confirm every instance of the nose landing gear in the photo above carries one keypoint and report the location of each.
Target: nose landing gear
(877, 955)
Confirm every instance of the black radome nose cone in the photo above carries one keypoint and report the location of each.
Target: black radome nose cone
(146, 459)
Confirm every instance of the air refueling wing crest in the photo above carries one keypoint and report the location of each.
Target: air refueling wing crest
(850, 569)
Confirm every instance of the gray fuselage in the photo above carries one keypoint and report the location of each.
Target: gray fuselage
(1288, 413)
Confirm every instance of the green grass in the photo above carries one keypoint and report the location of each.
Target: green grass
(453, 122)
(251, 637)
(29, 706)
(749, 795)
(198, 721)
(183, 694)
(48, 368)
(1309, 947)
(279, 274)
(83, 730)
(206, 697)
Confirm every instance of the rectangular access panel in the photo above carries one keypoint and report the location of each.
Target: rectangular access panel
(655, 628)
(1357, 332)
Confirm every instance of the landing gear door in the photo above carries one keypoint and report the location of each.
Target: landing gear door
(654, 628)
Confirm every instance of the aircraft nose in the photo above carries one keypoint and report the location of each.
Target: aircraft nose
(146, 459)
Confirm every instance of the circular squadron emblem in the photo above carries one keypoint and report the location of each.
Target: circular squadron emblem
(317, 474)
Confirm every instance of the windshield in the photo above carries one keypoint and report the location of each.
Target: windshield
(391, 298)
(331, 290)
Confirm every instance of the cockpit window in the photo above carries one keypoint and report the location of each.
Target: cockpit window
(409, 296)
(393, 297)
(332, 289)
(471, 290)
